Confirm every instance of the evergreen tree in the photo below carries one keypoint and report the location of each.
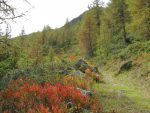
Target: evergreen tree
(120, 17)
(90, 28)
(45, 35)
(67, 35)
(141, 18)
(44, 39)
(22, 38)
(8, 31)
(97, 8)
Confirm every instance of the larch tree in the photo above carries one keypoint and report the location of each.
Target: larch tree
(88, 34)
(90, 28)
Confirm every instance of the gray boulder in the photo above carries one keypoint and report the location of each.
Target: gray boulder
(63, 72)
(82, 65)
(78, 73)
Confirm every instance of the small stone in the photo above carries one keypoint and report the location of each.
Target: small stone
(69, 105)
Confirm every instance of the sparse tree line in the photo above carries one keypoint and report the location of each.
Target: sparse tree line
(122, 21)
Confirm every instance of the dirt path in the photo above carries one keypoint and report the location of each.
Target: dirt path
(123, 94)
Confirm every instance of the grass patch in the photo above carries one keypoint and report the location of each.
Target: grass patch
(122, 94)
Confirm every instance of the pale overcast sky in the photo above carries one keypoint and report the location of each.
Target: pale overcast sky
(48, 12)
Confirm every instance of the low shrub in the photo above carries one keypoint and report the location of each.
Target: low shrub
(24, 96)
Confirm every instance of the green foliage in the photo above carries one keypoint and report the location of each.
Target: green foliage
(8, 56)
(135, 49)
(140, 18)
(105, 35)
(118, 18)
(90, 29)
(88, 34)
(103, 32)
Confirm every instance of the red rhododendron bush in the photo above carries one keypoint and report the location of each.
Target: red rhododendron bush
(24, 96)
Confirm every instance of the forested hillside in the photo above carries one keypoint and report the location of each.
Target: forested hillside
(112, 39)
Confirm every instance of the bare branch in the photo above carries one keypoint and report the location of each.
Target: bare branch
(8, 12)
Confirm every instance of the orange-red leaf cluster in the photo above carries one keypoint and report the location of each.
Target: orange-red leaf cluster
(25, 96)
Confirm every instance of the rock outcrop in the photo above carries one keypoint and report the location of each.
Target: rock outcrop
(125, 66)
